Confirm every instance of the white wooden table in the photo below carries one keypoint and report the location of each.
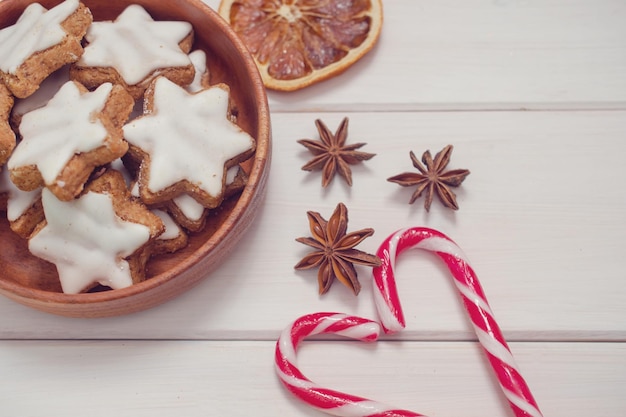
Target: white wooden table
(532, 94)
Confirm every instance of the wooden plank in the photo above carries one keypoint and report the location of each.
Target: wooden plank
(483, 54)
(541, 220)
(135, 378)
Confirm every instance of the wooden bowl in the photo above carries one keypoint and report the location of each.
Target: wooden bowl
(34, 282)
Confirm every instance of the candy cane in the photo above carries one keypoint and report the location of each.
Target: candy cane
(329, 401)
(489, 335)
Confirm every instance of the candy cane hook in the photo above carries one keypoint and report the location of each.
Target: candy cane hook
(487, 330)
(329, 401)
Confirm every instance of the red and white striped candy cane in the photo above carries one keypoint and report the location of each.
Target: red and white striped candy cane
(329, 401)
(489, 335)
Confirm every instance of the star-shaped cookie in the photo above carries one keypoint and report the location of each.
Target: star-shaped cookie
(73, 133)
(201, 79)
(133, 50)
(185, 143)
(87, 238)
(23, 208)
(40, 42)
(7, 136)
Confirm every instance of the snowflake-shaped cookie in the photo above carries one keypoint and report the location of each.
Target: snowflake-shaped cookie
(186, 142)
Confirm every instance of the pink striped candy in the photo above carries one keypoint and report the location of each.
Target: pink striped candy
(329, 401)
(487, 330)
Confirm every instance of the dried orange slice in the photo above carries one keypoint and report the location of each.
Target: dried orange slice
(296, 43)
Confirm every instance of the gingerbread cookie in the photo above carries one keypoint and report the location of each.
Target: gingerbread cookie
(236, 180)
(7, 136)
(4, 189)
(172, 239)
(48, 88)
(192, 215)
(201, 78)
(98, 238)
(63, 141)
(187, 212)
(185, 143)
(23, 208)
(40, 42)
(133, 50)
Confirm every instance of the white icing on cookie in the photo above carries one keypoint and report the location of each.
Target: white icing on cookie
(188, 137)
(48, 88)
(118, 165)
(189, 207)
(198, 59)
(135, 45)
(172, 231)
(36, 30)
(18, 201)
(65, 126)
(134, 191)
(87, 242)
(231, 174)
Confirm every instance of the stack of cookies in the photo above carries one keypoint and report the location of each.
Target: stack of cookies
(113, 144)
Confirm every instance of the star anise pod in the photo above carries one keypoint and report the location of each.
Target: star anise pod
(433, 179)
(334, 250)
(332, 155)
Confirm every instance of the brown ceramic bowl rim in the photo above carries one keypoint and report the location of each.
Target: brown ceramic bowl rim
(257, 179)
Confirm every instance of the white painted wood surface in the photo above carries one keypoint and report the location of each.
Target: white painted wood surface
(484, 54)
(199, 379)
(542, 218)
